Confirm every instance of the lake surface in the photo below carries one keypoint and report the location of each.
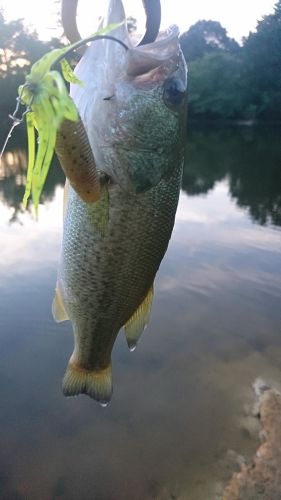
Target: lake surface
(179, 408)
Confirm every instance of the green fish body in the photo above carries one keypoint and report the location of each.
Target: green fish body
(133, 110)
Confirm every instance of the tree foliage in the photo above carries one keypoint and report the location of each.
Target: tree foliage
(206, 37)
(19, 49)
(215, 86)
(262, 60)
(228, 81)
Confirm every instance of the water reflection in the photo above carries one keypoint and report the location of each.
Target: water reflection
(178, 399)
(13, 178)
(250, 159)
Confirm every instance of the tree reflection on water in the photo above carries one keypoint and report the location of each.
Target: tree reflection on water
(13, 178)
(248, 158)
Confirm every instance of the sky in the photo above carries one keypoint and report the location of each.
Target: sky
(239, 17)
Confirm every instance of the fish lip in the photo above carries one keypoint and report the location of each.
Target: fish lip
(143, 59)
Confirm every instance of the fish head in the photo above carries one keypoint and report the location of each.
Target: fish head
(133, 105)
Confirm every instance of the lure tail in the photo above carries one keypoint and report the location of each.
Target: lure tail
(96, 383)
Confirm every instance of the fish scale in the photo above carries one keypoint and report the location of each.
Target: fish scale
(122, 265)
(133, 110)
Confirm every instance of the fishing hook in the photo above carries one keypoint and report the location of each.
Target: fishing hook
(153, 18)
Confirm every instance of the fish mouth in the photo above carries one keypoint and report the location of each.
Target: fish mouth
(165, 51)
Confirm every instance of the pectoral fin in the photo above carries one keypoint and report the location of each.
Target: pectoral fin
(58, 309)
(137, 323)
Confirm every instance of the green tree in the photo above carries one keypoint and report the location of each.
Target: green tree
(206, 37)
(262, 62)
(18, 50)
(215, 89)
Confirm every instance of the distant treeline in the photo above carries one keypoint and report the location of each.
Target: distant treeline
(229, 81)
(226, 80)
(18, 50)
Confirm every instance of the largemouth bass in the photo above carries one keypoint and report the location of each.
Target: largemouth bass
(133, 107)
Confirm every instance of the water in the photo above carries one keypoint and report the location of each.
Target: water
(178, 414)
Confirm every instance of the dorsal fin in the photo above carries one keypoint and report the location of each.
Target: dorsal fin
(138, 321)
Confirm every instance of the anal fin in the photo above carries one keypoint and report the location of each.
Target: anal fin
(58, 309)
(138, 321)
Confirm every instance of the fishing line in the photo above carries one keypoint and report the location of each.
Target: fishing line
(90, 39)
(16, 120)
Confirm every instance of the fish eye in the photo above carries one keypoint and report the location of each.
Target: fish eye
(173, 92)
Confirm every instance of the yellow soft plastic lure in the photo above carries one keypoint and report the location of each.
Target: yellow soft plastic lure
(48, 104)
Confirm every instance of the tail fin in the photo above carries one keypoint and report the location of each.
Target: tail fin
(97, 383)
